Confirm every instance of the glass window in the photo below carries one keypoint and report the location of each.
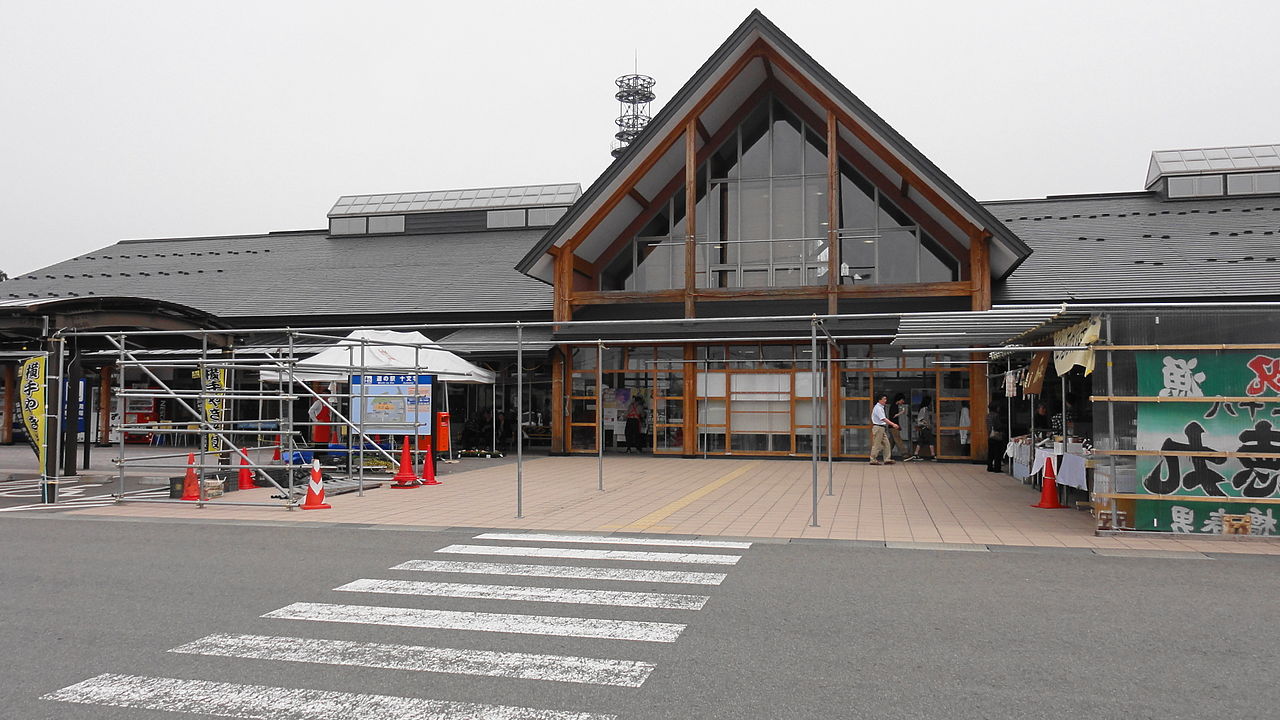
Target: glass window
(788, 150)
(540, 217)
(386, 224)
(1209, 185)
(347, 226)
(1181, 187)
(505, 219)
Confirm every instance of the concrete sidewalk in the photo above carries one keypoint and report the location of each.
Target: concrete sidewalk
(953, 504)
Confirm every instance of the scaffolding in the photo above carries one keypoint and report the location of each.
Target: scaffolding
(230, 416)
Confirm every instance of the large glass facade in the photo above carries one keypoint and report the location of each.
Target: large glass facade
(881, 244)
(758, 399)
(762, 220)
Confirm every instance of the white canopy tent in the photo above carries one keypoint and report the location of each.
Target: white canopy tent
(384, 351)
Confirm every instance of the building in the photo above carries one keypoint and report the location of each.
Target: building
(764, 189)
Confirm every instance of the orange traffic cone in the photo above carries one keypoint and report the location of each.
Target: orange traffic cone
(429, 471)
(405, 477)
(191, 484)
(315, 491)
(275, 456)
(1049, 488)
(245, 480)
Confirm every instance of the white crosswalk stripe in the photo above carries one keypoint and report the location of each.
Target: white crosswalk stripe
(615, 540)
(563, 571)
(79, 503)
(208, 697)
(278, 703)
(638, 630)
(456, 661)
(577, 553)
(668, 601)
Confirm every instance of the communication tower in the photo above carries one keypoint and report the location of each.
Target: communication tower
(635, 92)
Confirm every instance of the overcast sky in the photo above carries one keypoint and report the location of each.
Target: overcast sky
(172, 118)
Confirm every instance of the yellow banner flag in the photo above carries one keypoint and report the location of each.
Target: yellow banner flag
(31, 387)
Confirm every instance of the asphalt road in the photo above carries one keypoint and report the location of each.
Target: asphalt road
(795, 630)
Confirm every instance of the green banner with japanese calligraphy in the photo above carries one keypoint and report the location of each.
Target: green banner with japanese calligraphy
(1245, 421)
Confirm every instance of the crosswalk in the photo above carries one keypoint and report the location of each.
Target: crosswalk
(31, 488)
(554, 617)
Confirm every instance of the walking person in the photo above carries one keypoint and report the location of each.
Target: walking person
(996, 440)
(879, 438)
(924, 431)
(898, 414)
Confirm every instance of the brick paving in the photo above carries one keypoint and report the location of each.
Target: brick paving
(947, 503)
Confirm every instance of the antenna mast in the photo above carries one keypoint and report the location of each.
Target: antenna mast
(635, 92)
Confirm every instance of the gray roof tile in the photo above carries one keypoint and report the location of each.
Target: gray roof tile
(1136, 246)
(309, 273)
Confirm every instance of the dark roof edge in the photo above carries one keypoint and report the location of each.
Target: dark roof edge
(233, 236)
(1075, 196)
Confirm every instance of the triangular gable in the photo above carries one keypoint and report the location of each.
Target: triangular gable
(756, 55)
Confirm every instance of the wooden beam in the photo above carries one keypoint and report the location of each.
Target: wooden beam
(640, 199)
(563, 287)
(979, 394)
(753, 52)
(775, 58)
(584, 267)
(7, 405)
(702, 131)
(690, 216)
(833, 214)
(817, 292)
(558, 399)
(615, 297)
(980, 269)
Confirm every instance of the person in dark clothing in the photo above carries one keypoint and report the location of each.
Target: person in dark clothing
(997, 437)
(635, 416)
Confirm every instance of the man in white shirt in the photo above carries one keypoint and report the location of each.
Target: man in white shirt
(879, 436)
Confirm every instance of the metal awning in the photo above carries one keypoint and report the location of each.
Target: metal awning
(981, 328)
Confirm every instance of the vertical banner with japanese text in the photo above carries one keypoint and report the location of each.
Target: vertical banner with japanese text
(1245, 424)
(213, 381)
(31, 388)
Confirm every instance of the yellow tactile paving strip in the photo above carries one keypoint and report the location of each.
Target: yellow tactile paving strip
(912, 502)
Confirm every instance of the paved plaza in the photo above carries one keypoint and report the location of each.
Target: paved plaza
(956, 505)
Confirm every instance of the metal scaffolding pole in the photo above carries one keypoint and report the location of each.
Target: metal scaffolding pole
(813, 404)
(519, 420)
(600, 414)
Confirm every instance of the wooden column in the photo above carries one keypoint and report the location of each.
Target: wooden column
(980, 279)
(691, 372)
(690, 219)
(833, 213)
(6, 406)
(562, 287)
(980, 269)
(559, 397)
(978, 398)
(104, 405)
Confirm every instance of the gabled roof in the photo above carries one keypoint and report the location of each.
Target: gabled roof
(1135, 246)
(1007, 249)
(304, 274)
